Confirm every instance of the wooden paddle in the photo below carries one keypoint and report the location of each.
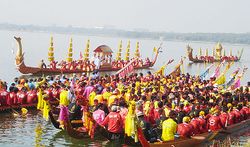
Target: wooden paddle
(198, 137)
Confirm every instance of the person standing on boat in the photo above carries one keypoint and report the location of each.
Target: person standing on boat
(99, 114)
(169, 127)
(96, 60)
(42, 64)
(114, 122)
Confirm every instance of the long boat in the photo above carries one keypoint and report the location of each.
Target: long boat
(202, 138)
(76, 132)
(20, 64)
(216, 57)
(56, 124)
(17, 107)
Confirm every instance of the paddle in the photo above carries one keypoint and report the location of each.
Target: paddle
(15, 113)
(198, 137)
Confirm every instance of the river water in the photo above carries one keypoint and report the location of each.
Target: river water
(33, 130)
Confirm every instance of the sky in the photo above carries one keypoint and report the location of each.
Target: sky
(214, 16)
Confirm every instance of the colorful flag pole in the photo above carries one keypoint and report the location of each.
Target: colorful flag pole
(205, 73)
(161, 71)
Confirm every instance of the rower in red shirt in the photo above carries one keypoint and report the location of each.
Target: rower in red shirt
(245, 111)
(12, 100)
(4, 94)
(224, 117)
(231, 115)
(187, 108)
(22, 96)
(49, 93)
(32, 96)
(202, 121)
(114, 121)
(214, 122)
(195, 123)
(185, 129)
(238, 116)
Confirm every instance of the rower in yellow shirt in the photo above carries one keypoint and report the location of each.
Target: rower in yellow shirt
(92, 97)
(107, 93)
(169, 127)
(113, 97)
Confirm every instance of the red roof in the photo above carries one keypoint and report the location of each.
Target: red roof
(104, 49)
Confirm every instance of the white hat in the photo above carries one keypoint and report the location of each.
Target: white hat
(139, 114)
(114, 108)
(171, 96)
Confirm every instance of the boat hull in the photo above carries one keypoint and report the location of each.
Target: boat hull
(203, 61)
(17, 107)
(202, 138)
(46, 71)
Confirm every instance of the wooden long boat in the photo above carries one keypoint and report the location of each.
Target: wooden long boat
(20, 65)
(56, 124)
(202, 138)
(72, 132)
(17, 107)
(216, 57)
(78, 133)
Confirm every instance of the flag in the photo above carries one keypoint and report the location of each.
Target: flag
(155, 49)
(232, 78)
(221, 80)
(176, 72)
(230, 82)
(237, 83)
(81, 55)
(129, 68)
(235, 72)
(217, 70)
(205, 73)
(161, 71)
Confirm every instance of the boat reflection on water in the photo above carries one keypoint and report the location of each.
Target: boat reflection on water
(38, 136)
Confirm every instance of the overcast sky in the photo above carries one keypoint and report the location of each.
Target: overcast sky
(154, 15)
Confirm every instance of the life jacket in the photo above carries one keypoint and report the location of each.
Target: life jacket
(55, 93)
(196, 126)
(224, 118)
(231, 118)
(185, 130)
(203, 124)
(214, 123)
(31, 97)
(22, 97)
(245, 111)
(3, 97)
(238, 117)
(12, 98)
(114, 122)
